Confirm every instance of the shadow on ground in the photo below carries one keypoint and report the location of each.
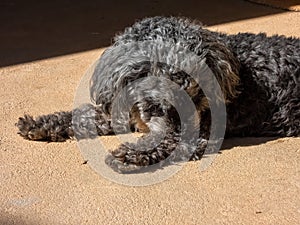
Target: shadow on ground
(245, 141)
(33, 30)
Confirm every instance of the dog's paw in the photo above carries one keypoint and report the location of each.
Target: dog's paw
(119, 166)
(29, 129)
(200, 149)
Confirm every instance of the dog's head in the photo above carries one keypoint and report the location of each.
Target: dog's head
(169, 48)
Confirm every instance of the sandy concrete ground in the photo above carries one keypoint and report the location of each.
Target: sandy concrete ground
(253, 180)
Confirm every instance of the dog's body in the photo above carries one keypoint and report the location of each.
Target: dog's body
(259, 78)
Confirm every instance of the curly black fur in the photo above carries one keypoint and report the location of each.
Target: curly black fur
(259, 77)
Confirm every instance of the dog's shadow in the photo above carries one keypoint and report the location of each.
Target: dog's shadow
(245, 141)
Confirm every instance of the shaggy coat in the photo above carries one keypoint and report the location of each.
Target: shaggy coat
(258, 76)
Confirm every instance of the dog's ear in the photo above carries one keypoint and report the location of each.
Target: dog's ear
(225, 67)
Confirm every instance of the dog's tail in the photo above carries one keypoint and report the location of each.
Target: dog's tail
(86, 121)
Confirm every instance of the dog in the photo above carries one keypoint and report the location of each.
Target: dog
(258, 78)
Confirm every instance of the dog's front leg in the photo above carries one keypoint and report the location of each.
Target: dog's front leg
(86, 121)
(162, 146)
(149, 150)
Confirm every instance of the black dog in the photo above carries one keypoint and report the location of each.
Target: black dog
(259, 79)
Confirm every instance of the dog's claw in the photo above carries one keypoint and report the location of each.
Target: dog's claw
(36, 134)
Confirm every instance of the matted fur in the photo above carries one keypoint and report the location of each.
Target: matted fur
(258, 75)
